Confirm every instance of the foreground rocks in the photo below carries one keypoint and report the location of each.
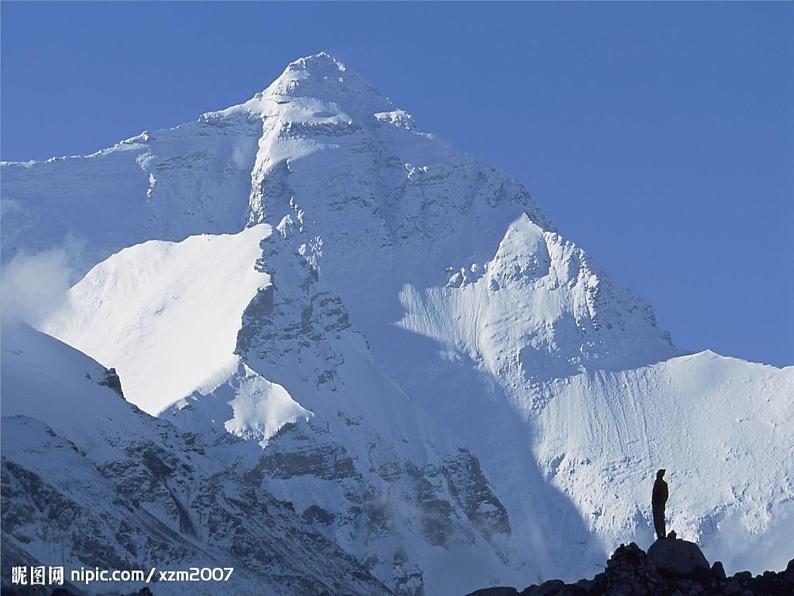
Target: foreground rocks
(678, 558)
(671, 566)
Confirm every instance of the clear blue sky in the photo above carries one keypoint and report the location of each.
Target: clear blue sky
(660, 137)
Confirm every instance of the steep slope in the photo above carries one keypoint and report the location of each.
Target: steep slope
(433, 373)
(724, 424)
(356, 458)
(89, 480)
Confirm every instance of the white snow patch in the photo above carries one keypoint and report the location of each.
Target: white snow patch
(261, 408)
(164, 314)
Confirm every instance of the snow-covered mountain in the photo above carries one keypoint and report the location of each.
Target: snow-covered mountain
(365, 322)
(90, 481)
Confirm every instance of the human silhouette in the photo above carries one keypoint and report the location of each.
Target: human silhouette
(658, 501)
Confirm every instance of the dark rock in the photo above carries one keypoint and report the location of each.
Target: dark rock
(678, 558)
(670, 568)
(718, 571)
(586, 585)
(497, 591)
(549, 588)
(316, 514)
(112, 380)
(732, 587)
(474, 494)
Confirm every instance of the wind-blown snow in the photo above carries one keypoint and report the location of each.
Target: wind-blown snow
(33, 285)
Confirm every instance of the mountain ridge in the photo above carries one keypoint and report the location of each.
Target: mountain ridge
(460, 381)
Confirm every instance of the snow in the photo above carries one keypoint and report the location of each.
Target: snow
(108, 201)
(53, 383)
(261, 408)
(91, 481)
(165, 315)
(243, 403)
(391, 301)
(716, 424)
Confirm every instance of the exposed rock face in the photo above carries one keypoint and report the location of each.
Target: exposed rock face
(670, 567)
(343, 470)
(112, 380)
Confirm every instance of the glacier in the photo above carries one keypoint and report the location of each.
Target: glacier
(389, 335)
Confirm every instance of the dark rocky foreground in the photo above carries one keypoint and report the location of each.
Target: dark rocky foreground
(670, 566)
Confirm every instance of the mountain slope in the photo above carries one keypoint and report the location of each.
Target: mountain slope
(166, 314)
(89, 480)
(422, 364)
(721, 422)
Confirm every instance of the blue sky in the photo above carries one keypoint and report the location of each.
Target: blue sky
(659, 137)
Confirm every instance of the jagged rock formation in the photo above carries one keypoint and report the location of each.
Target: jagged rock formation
(671, 566)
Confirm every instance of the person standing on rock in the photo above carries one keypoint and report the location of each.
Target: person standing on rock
(658, 501)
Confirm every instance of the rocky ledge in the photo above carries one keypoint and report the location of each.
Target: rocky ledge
(671, 566)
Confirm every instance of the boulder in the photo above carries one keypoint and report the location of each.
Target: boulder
(679, 558)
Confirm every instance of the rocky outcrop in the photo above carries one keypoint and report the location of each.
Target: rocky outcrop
(671, 566)
(111, 379)
(678, 558)
(474, 494)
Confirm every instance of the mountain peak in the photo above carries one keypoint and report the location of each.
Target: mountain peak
(322, 76)
(315, 63)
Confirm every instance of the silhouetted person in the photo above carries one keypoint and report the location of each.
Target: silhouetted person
(658, 501)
